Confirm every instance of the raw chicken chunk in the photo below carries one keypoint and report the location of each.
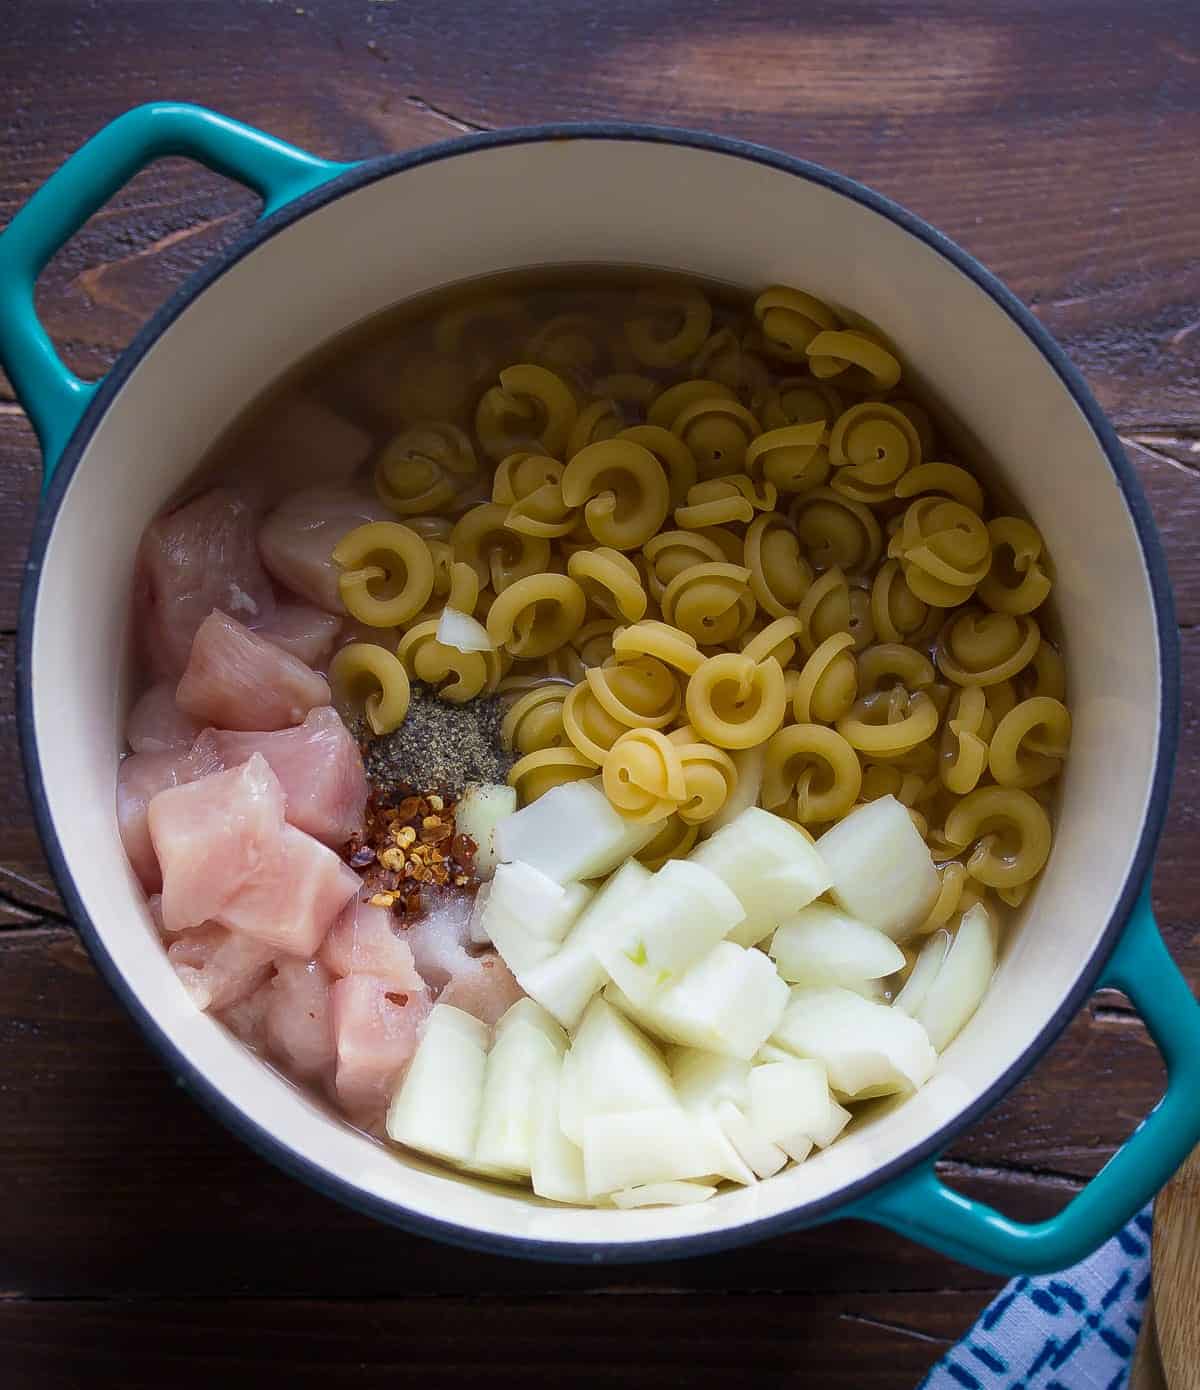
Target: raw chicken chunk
(478, 984)
(375, 1026)
(236, 679)
(140, 779)
(247, 1019)
(302, 442)
(219, 967)
(299, 1020)
(365, 941)
(307, 633)
(297, 539)
(157, 724)
(200, 557)
(215, 838)
(292, 899)
(319, 767)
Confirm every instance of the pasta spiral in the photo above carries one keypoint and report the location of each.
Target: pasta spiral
(387, 573)
(871, 446)
(801, 400)
(1024, 585)
(536, 615)
(1010, 831)
(482, 539)
(779, 574)
(832, 351)
(600, 420)
(673, 841)
(898, 614)
(641, 691)
(622, 489)
(457, 676)
(793, 458)
(944, 550)
(827, 684)
(643, 775)
(537, 773)
(776, 640)
(610, 581)
(963, 756)
(948, 479)
(726, 357)
(532, 407)
(837, 531)
(717, 432)
(815, 766)
(979, 648)
(790, 320)
(709, 775)
(721, 501)
(671, 552)
(683, 312)
(825, 609)
(735, 702)
(888, 722)
(712, 603)
(589, 726)
(661, 641)
(531, 487)
(671, 452)
(421, 469)
(362, 673)
(1030, 743)
(666, 407)
(535, 721)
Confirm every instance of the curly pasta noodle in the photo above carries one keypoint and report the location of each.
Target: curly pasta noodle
(800, 400)
(666, 407)
(535, 720)
(790, 320)
(610, 581)
(422, 468)
(710, 776)
(594, 641)
(825, 610)
(565, 343)
(672, 326)
(600, 420)
(776, 640)
(827, 684)
(641, 691)
(366, 675)
(1010, 832)
(674, 841)
(590, 728)
(457, 676)
(498, 555)
(671, 552)
(814, 771)
(537, 773)
(1017, 581)
(387, 573)
(717, 432)
(980, 648)
(722, 501)
(779, 574)
(944, 549)
(661, 641)
(536, 615)
(643, 775)
(888, 722)
(793, 458)
(1046, 674)
(712, 603)
(726, 357)
(946, 479)
(622, 489)
(871, 446)
(837, 531)
(1030, 743)
(735, 702)
(963, 755)
(897, 613)
(834, 351)
(531, 407)
(671, 452)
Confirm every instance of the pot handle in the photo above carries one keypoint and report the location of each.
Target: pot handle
(919, 1205)
(54, 397)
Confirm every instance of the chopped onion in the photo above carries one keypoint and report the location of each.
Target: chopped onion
(821, 945)
(882, 870)
(463, 632)
(960, 984)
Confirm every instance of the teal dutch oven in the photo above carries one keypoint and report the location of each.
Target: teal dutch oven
(338, 242)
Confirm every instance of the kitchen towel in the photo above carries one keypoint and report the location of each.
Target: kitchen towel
(1070, 1331)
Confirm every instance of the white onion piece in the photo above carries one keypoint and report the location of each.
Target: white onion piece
(437, 1107)
(527, 915)
(508, 1114)
(565, 981)
(868, 1049)
(572, 832)
(730, 1002)
(463, 632)
(789, 1101)
(662, 1194)
(882, 870)
(769, 866)
(760, 1155)
(682, 914)
(527, 1013)
(962, 980)
(821, 945)
(556, 1165)
(924, 972)
(613, 1067)
(634, 1148)
(704, 1079)
(478, 812)
(475, 928)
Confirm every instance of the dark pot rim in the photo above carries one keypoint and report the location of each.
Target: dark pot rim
(209, 1093)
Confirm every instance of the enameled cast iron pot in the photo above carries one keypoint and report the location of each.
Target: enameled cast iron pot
(338, 242)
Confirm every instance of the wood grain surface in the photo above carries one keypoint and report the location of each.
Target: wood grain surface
(139, 1243)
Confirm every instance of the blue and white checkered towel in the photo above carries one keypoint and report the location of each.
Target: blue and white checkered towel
(1070, 1331)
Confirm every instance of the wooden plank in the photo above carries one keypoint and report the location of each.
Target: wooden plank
(1048, 140)
(625, 1339)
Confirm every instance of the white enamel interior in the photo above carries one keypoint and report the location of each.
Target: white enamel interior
(649, 204)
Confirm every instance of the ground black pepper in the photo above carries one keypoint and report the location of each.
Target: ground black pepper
(440, 747)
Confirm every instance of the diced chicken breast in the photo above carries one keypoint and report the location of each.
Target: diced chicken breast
(299, 1021)
(140, 778)
(478, 984)
(375, 1026)
(296, 540)
(294, 897)
(302, 442)
(319, 767)
(365, 940)
(247, 1019)
(236, 679)
(306, 632)
(219, 967)
(215, 838)
(156, 724)
(199, 557)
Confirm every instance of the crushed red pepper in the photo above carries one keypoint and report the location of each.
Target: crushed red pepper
(408, 844)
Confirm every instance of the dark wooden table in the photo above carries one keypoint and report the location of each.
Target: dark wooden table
(1059, 140)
